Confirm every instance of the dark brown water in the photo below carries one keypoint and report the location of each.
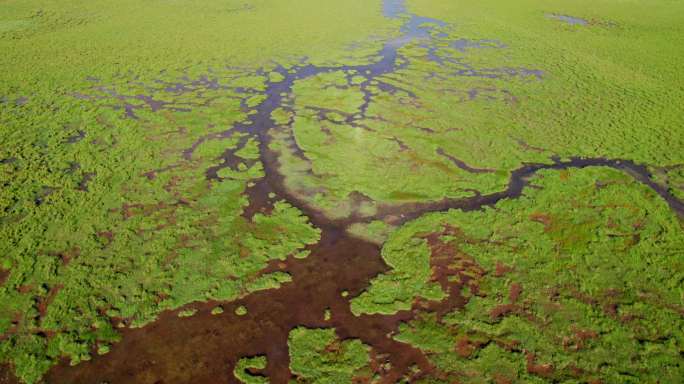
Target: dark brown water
(204, 348)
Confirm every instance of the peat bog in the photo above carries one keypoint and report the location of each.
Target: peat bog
(440, 194)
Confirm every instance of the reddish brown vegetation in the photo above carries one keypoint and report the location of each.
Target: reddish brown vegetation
(514, 293)
(503, 310)
(543, 219)
(543, 370)
(465, 346)
(452, 268)
(501, 269)
(4, 275)
(44, 302)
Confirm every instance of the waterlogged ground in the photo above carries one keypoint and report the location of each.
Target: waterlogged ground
(264, 191)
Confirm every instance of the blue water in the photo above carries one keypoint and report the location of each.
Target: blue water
(570, 19)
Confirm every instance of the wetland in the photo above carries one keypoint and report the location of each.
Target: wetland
(396, 191)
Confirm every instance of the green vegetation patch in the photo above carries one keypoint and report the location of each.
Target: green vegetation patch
(187, 312)
(605, 87)
(318, 356)
(376, 231)
(409, 278)
(582, 282)
(241, 310)
(248, 363)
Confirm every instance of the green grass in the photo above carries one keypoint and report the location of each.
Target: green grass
(256, 362)
(317, 356)
(606, 89)
(409, 278)
(582, 281)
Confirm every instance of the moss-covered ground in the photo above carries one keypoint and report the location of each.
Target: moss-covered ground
(162, 153)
